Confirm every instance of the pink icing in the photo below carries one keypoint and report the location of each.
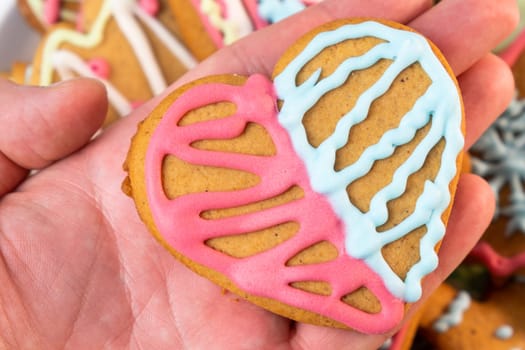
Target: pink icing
(224, 8)
(499, 266)
(513, 52)
(264, 274)
(136, 104)
(215, 35)
(80, 23)
(100, 67)
(253, 10)
(51, 11)
(252, 7)
(151, 7)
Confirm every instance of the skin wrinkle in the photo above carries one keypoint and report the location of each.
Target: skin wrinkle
(90, 270)
(14, 286)
(38, 124)
(10, 324)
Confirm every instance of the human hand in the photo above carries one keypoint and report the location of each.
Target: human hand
(79, 269)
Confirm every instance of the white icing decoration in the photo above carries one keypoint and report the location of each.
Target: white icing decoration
(68, 63)
(126, 13)
(454, 314)
(504, 332)
(237, 23)
(501, 162)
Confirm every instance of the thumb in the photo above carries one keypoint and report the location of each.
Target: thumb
(41, 125)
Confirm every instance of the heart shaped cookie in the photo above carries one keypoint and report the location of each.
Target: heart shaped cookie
(321, 194)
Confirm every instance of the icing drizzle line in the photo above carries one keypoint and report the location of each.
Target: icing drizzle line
(440, 103)
(226, 21)
(266, 273)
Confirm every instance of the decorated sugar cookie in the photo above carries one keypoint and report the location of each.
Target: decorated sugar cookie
(320, 194)
(208, 25)
(499, 157)
(129, 45)
(43, 14)
(454, 320)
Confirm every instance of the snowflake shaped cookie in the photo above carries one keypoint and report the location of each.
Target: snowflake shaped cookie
(501, 161)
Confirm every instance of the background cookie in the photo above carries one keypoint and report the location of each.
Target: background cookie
(453, 320)
(20, 73)
(498, 156)
(132, 48)
(43, 14)
(213, 160)
(208, 25)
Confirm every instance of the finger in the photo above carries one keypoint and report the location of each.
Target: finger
(41, 125)
(465, 30)
(259, 52)
(11, 172)
(487, 88)
(472, 213)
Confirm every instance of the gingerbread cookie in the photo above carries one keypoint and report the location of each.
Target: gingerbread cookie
(20, 73)
(43, 14)
(499, 156)
(320, 195)
(454, 320)
(208, 25)
(129, 45)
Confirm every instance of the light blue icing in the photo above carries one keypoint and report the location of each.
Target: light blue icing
(504, 332)
(501, 161)
(454, 314)
(439, 104)
(273, 11)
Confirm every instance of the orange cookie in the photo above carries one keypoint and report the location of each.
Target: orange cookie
(453, 320)
(43, 14)
(20, 73)
(130, 45)
(320, 195)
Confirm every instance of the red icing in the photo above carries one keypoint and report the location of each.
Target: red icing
(100, 67)
(499, 266)
(513, 52)
(264, 274)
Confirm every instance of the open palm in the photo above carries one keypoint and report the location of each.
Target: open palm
(78, 269)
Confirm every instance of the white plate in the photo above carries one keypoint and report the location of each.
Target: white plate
(18, 41)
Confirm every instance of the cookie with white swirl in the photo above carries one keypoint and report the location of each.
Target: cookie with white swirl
(130, 46)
